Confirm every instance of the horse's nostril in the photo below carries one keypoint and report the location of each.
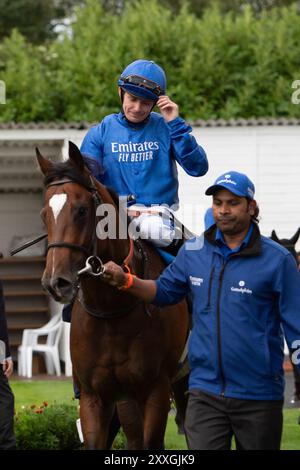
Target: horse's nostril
(62, 283)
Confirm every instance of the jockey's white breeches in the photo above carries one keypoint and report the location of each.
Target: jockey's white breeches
(155, 224)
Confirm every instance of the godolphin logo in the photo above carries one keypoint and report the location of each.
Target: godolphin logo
(242, 289)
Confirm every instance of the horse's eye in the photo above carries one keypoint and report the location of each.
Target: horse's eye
(82, 210)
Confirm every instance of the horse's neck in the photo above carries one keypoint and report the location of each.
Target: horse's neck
(147, 262)
(113, 250)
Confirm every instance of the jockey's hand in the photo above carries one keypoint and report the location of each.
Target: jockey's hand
(8, 367)
(114, 274)
(169, 109)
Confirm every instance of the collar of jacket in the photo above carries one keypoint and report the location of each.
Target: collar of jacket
(134, 125)
(252, 249)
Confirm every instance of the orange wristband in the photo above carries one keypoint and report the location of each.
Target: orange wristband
(129, 282)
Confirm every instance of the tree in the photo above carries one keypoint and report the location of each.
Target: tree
(34, 19)
(218, 65)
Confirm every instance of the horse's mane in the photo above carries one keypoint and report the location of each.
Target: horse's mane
(68, 170)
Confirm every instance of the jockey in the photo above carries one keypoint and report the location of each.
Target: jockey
(135, 151)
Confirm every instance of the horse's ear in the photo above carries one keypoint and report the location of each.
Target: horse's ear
(75, 156)
(274, 236)
(44, 164)
(294, 239)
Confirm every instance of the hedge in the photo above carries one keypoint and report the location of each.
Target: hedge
(218, 66)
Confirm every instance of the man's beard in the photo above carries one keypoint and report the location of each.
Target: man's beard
(233, 227)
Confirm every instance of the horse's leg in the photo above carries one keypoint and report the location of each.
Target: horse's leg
(157, 407)
(114, 428)
(132, 423)
(95, 418)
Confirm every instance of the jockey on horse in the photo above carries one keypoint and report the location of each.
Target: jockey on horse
(134, 151)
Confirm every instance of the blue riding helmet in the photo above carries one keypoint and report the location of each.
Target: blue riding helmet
(145, 79)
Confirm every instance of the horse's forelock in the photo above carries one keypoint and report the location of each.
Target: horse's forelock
(67, 170)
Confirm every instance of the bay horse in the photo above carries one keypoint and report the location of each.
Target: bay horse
(123, 352)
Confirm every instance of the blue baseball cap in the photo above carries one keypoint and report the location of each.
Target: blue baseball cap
(236, 183)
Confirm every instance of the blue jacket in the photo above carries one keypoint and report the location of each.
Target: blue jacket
(239, 308)
(139, 159)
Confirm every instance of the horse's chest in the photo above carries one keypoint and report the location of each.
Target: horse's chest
(126, 364)
(120, 358)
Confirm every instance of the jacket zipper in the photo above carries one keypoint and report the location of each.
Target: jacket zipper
(222, 376)
(210, 285)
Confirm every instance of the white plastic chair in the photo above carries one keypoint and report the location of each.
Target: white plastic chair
(30, 340)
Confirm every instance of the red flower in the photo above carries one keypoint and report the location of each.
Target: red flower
(33, 406)
(45, 403)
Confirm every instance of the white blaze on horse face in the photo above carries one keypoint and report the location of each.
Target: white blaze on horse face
(56, 203)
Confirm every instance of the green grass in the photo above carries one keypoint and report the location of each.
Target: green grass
(291, 430)
(174, 441)
(34, 392)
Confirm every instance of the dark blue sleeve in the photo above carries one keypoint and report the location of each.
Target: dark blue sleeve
(190, 156)
(287, 286)
(172, 285)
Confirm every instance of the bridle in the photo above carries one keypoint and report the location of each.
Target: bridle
(61, 244)
(94, 265)
(97, 201)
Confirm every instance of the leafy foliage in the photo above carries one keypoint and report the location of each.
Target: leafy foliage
(219, 65)
(47, 428)
(235, 6)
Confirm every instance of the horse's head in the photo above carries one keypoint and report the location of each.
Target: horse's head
(289, 244)
(69, 217)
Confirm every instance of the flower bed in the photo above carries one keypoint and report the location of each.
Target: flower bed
(47, 427)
